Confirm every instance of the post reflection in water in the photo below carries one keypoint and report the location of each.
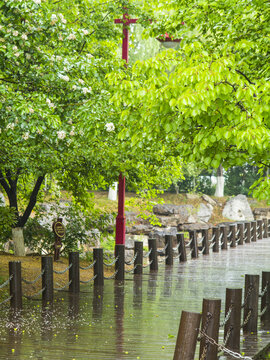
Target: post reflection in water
(14, 334)
(137, 291)
(46, 322)
(167, 289)
(119, 297)
(152, 285)
(73, 313)
(97, 302)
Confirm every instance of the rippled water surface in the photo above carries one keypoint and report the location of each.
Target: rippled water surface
(137, 320)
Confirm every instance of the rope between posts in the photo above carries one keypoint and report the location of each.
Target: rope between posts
(36, 294)
(227, 316)
(62, 272)
(189, 243)
(88, 267)
(220, 236)
(230, 233)
(264, 290)
(112, 276)
(177, 256)
(6, 300)
(177, 247)
(227, 337)
(201, 251)
(189, 254)
(35, 280)
(250, 288)
(229, 243)
(247, 318)
(88, 281)
(211, 245)
(263, 310)
(63, 287)
(223, 348)
(201, 241)
(258, 228)
(238, 232)
(131, 262)
(147, 254)
(145, 266)
(212, 238)
(112, 263)
(6, 282)
(129, 271)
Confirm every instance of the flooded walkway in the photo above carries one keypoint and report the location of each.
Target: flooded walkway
(138, 320)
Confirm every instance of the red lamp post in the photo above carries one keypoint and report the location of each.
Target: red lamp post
(120, 219)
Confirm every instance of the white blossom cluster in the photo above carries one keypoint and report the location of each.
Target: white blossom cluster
(64, 77)
(50, 104)
(86, 90)
(25, 136)
(71, 37)
(110, 127)
(10, 126)
(61, 134)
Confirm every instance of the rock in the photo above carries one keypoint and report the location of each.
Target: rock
(204, 212)
(2, 200)
(209, 200)
(139, 229)
(196, 226)
(179, 213)
(192, 196)
(238, 209)
(129, 243)
(261, 213)
(159, 234)
(165, 209)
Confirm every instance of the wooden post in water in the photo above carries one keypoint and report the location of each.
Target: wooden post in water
(15, 285)
(224, 239)
(187, 336)
(98, 267)
(233, 325)
(260, 229)
(265, 300)
(251, 298)
(216, 233)
(138, 263)
(153, 258)
(74, 272)
(232, 236)
(240, 236)
(265, 232)
(194, 244)
(247, 232)
(210, 326)
(169, 250)
(120, 262)
(182, 247)
(47, 279)
(205, 242)
(253, 231)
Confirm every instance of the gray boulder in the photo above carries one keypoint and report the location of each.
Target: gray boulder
(204, 212)
(238, 209)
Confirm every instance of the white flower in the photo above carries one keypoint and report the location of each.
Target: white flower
(15, 33)
(61, 134)
(25, 136)
(39, 131)
(1, 27)
(9, 108)
(74, 87)
(64, 21)
(89, 55)
(81, 81)
(2, 40)
(24, 37)
(86, 32)
(58, 58)
(110, 127)
(60, 37)
(70, 122)
(17, 54)
(28, 56)
(10, 126)
(64, 77)
(71, 37)
(15, 48)
(53, 19)
(38, 2)
(72, 133)
(81, 132)
(86, 90)
(31, 110)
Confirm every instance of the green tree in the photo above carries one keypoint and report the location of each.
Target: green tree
(55, 115)
(239, 179)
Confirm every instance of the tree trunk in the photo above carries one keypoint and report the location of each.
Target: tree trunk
(113, 192)
(220, 182)
(18, 240)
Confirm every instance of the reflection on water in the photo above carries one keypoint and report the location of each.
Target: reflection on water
(137, 319)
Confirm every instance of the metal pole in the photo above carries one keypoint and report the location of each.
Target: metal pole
(251, 299)
(153, 258)
(247, 232)
(224, 241)
(47, 279)
(216, 239)
(240, 237)
(15, 285)
(194, 244)
(182, 247)
(205, 242)
(232, 236)
(187, 336)
(138, 264)
(74, 272)
(265, 302)
(260, 229)
(233, 325)
(98, 267)
(253, 231)
(210, 326)
(120, 262)
(168, 250)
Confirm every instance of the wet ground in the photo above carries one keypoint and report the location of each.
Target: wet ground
(138, 320)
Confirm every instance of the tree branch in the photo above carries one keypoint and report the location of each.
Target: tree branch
(4, 183)
(32, 202)
(245, 76)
